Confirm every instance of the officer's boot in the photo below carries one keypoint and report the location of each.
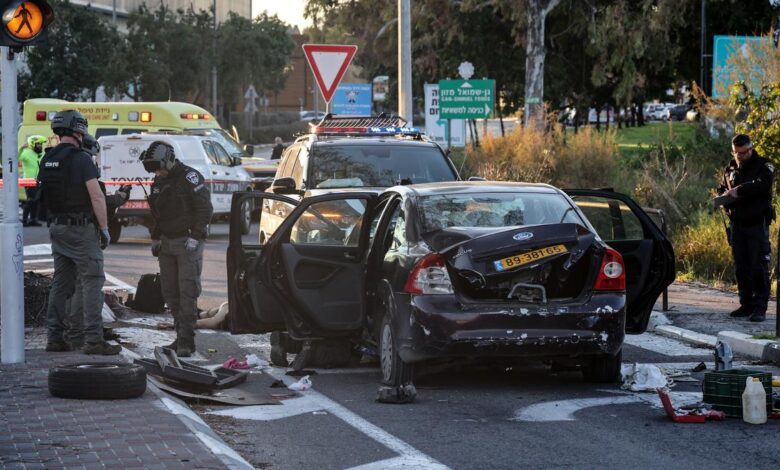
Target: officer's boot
(175, 342)
(185, 347)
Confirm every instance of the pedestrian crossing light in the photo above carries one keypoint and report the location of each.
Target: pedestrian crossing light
(25, 22)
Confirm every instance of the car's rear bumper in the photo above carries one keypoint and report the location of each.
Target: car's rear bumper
(437, 326)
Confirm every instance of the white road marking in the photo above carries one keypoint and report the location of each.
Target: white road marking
(564, 410)
(665, 346)
(120, 284)
(43, 249)
(38, 261)
(314, 399)
(292, 407)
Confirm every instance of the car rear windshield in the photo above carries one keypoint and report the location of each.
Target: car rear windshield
(350, 166)
(503, 209)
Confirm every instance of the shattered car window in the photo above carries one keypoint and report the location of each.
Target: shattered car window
(330, 223)
(349, 166)
(494, 210)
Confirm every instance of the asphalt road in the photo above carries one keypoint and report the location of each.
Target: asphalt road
(477, 416)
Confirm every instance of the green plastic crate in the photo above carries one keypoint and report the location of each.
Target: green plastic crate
(723, 389)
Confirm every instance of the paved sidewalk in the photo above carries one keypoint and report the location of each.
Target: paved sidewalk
(700, 316)
(43, 432)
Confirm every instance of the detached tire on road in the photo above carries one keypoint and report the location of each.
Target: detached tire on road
(97, 381)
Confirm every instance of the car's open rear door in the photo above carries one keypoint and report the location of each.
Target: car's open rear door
(647, 254)
(316, 265)
(252, 307)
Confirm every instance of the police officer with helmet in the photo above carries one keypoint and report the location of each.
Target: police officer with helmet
(747, 181)
(75, 210)
(180, 203)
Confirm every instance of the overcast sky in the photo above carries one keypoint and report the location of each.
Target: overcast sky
(290, 11)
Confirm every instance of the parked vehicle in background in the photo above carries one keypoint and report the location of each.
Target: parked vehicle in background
(453, 270)
(123, 118)
(678, 112)
(312, 115)
(120, 164)
(366, 153)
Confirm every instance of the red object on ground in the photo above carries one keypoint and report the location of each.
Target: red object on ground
(234, 363)
(687, 418)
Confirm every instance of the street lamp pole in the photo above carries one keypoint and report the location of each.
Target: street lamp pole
(703, 60)
(405, 61)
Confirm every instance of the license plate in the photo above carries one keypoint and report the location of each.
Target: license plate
(515, 261)
(136, 205)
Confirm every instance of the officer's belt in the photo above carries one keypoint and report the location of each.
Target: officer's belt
(176, 234)
(71, 220)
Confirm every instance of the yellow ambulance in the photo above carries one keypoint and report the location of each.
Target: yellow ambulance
(122, 118)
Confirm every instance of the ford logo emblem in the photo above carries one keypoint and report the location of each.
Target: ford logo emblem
(523, 236)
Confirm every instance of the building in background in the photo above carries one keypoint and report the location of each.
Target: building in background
(124, 7)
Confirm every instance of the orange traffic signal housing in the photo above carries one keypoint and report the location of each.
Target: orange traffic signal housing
(25, 22)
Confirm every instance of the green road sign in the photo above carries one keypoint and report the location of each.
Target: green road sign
(466, 99)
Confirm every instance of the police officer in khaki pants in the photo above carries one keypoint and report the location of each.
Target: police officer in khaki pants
(76, 213)
(180, 203)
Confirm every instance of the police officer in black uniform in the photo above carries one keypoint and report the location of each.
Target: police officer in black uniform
(76, 213)
(74, 333)
(181, 207)
(748, 180)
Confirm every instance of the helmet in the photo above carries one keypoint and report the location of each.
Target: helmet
(68, 122)
(90, 144)
(159, 156)
(36, 139)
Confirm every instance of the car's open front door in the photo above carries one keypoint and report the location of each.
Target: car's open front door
(316, 265)
(647, 254)
(252, 307)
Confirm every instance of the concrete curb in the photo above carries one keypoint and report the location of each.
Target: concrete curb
(741, 343)
(688, 336)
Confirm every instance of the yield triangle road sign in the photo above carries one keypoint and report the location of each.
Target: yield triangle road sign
(328, 62)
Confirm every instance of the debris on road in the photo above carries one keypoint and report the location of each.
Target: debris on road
(255, 361)
(698, 415)
(702, 366)
(97, 381)
(723, 356)
(302, 385)
(643, 378)
(397, 395)
(233, 363)
(36, 298)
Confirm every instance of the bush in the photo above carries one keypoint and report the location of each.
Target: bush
(583, 159)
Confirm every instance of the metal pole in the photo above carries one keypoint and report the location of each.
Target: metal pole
(214, 65)
(405, 61)
(11, 246)
(113, 13)
(702, 63)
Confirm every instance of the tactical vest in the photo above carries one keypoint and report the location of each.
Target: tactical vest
(57, 193)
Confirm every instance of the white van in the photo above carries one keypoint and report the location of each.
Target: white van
(120, 165)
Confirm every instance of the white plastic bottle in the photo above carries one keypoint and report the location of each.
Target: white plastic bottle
(754, 402)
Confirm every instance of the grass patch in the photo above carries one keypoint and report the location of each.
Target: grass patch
(764, 335)
(634, 141)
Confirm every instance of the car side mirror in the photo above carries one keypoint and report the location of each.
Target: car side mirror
(284, 185)
(249, 149)
(476, 178)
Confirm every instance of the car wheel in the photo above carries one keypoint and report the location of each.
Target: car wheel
(394, 370)
(114, 230)
(97, 381)
(604, 368)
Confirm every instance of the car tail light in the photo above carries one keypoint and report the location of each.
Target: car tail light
(612, 275)
(429, 276)
(40, 115)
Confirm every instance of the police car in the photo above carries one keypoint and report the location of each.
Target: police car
(120, 165)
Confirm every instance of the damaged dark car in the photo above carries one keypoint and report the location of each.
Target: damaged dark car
(455, 270)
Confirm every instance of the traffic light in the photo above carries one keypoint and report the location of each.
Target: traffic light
(25, 22)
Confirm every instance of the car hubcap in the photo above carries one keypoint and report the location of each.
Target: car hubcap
(387, 352)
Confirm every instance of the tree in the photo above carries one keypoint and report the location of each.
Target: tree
(537, 11)
(77, 59)
(256, 52)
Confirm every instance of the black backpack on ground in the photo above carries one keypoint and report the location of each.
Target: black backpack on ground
(148, 295)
